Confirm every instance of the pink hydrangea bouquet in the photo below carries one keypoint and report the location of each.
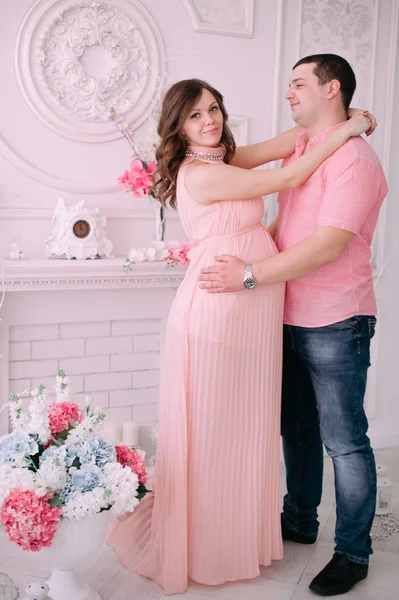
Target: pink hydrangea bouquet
(55, 465)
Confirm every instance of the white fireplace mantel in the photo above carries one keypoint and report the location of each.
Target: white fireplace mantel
(30, 275)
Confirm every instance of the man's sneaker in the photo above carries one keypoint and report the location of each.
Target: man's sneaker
(296, 536)
(338, 577)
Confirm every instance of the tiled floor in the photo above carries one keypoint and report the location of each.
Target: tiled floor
(287, 579)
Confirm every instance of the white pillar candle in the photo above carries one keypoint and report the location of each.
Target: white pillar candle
(112, 433)
(130, 433)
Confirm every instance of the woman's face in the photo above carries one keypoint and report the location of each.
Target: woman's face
(204, 124)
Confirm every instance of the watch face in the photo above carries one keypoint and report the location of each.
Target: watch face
(81, 228)
(249, 283)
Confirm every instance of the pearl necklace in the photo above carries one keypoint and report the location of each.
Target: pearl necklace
(217, 156)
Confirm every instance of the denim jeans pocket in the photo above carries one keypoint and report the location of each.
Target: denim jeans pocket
(352, 322)
(372, 321)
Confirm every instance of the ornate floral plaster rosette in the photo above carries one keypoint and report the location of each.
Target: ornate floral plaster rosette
(76, 59)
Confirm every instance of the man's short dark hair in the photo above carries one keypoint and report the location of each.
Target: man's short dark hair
(332, 66)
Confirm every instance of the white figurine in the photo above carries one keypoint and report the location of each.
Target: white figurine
(36, 591)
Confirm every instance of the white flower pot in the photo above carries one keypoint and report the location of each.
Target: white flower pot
(72, 544)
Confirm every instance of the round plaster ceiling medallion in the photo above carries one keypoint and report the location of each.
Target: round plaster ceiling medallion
(76, 59)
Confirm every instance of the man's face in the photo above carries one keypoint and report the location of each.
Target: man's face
(306, 96)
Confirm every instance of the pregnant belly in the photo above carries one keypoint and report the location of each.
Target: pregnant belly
(250, 247)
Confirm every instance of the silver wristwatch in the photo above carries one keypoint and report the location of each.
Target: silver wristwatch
(249, 280)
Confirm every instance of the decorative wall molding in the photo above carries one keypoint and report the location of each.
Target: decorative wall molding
(24, 214)
(239, 128)
(347, 27)
(238, 125)
(378, 257)
(270, 202)
(75, 59)
(222, 17)
(93, 274)
(41, 176)
(389, 97)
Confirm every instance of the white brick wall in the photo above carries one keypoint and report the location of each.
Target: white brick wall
(20, 350)
(58, 348)
(109, 345)
(135, 362)
(132, 397)
(34, 332)
(74, 330)
(146, 343)
(117, 362)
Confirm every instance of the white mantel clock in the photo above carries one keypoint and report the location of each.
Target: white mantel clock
(78, 232)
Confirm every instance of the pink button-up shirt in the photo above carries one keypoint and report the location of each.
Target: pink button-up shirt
(345, 192)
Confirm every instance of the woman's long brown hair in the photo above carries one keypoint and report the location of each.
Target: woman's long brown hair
(177, 104)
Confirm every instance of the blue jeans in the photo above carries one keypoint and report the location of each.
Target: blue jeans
(324, 383)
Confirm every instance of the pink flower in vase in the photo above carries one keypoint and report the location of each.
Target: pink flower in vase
(127, 457)
(29, 519)
(63, 415)
(139, 178)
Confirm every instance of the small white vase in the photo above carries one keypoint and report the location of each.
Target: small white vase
(72, 544)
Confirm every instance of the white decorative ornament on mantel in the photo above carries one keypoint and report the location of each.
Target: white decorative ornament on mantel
(222, 17)
(75, 59)
(78, 232)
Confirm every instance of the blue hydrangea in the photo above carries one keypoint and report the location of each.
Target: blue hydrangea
(55, 453)
(85, 479)
(16, 447)
(103, 451)
(71, 454)
(96, 452)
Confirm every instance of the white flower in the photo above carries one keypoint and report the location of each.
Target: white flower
(86, 429)
(150, 253)
(17, 418)
(20, 459)
(121, 488)
(62, 389)
(137, 255)
(140, 255)
(38, 411)
(161, 250)
(52, 474)
(132, 254)
(84, 505)
(11, 478)
(162, 254)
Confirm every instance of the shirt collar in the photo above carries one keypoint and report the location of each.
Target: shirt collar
(303, 139)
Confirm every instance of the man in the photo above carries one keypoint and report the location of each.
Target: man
(323, 232)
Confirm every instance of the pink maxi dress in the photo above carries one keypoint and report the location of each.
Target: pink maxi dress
(214, 515)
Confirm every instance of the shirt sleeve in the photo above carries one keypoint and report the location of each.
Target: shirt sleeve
(351, 191)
